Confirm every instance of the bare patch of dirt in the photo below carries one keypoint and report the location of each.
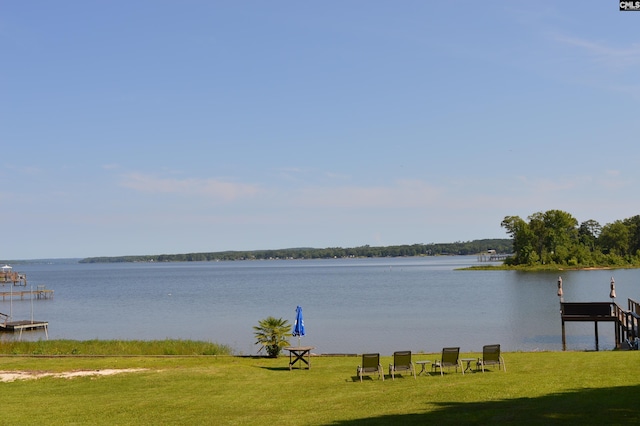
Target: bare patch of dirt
(10, 376)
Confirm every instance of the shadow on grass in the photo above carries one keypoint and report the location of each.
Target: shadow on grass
(255, 356)
(610, 406)
(369, 378)
(277, 368)
(374, 376)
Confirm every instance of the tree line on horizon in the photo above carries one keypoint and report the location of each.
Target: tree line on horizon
(555, 237)
(501, 245)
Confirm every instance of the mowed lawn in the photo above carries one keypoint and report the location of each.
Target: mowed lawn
(538, 388)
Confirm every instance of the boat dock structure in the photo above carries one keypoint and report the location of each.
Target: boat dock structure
(11, 279)
(625, 321)
(8, 276)
(41, 292)
(492, 256)
(19, 326)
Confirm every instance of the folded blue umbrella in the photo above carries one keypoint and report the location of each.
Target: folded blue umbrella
(298, 328)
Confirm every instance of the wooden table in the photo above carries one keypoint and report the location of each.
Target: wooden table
(299, 352)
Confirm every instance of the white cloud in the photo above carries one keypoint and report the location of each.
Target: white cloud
(615, 57)
(214, 188)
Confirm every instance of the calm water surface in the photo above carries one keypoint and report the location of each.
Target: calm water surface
(350, 305)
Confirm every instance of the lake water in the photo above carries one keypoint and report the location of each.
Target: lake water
(349, 305)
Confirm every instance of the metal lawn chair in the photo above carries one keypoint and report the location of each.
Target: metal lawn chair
(401, 362)
(370, 365)
(491, 356)
(450, 358)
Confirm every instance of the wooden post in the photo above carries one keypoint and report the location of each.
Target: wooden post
(596, 329)
(564, 338)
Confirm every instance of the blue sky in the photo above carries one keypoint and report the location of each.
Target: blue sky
(149, 127)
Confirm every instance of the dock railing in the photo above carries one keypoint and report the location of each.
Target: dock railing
(632, 321)
(625, 321)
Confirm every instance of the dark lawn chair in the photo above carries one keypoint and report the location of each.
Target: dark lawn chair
(491, 356)
(370, 365)
(401, 362)
(450, 358)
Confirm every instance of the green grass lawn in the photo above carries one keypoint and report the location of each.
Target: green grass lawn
(538, 388)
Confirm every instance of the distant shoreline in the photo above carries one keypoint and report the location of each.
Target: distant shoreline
(468, 248)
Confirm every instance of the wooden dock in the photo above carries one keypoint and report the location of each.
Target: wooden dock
(40, 293)
(11, 279)
(626, 322)
(24, 325)
(14, 326)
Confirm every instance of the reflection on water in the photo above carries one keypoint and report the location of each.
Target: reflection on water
(350, 305)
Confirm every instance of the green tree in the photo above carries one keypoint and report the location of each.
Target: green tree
(588, 233)
(614, 238)
(633, 224)
(553, 237)
(272, 335)
(538, 234)
(561, 234)
(523, 240)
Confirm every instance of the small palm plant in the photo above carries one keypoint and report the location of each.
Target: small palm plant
(272, 334)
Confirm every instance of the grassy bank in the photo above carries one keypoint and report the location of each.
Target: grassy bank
(544, 268)
(538, 388)
(114, 347)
